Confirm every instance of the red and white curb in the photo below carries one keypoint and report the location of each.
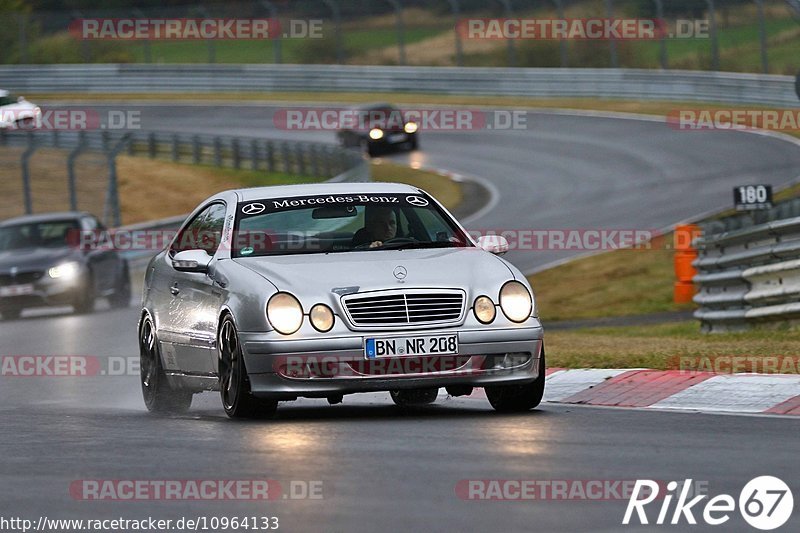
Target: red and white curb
(675, 390)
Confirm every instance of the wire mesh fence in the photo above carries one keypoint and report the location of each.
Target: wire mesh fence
(60, 171)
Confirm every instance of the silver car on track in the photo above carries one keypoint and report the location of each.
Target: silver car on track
(274, 293)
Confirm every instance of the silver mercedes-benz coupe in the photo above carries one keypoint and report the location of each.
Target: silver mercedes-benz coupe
(273, 293)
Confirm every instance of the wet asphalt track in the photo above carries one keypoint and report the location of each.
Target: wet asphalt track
(380, 468)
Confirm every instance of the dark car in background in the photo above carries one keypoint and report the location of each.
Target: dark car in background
(377, 129)
(59, 259)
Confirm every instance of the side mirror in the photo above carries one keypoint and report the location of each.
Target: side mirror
(191, 261)
(494, 244)
(20, 99)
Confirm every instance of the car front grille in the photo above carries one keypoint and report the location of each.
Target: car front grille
(20, 278)
(404, 307)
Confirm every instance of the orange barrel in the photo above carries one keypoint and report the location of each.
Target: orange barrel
(685, 254)
(683, 293)
(684, 235)
(684, 271)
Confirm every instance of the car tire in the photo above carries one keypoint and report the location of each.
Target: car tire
(518, 398)
(83, 298)
(372, 149)
(122, 291)
(234, 383)
(10, 313)
(414, 397)
(413, 144)
(159, 396)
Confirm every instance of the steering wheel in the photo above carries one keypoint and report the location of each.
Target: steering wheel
(395, 240)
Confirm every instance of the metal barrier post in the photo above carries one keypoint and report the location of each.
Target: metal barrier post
(612, 43)
(253, 154)
(562, 43)
(712, 14)
(276, 37)
(112, 196)
(401, 45)
(456, 10)
(662, 42)
(337, 28)
(71, 179)
(26, 175)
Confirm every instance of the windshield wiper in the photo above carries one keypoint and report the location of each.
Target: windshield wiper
(420, 244)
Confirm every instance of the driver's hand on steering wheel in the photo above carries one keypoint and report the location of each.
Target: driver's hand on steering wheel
(375, 244)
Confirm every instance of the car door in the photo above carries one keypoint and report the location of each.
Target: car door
(197, 298)
(165, 293)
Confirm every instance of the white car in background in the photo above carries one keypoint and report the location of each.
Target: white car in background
(18, 113)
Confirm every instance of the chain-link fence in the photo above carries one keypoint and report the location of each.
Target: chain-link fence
(60, 171)
(732, 35)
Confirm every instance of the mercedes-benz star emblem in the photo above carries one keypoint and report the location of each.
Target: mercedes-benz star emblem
(418, 201)
(400, 272)
(253, 209)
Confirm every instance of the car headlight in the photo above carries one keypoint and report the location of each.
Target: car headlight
(375, 134)
(516, 301)
(65, 271)
(410, 127)
(484, 309)
(321, 318)
(284, 313)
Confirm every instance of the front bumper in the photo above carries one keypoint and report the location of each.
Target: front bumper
(281, 368)
(43, 292)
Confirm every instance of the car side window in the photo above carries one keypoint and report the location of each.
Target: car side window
(204, 232)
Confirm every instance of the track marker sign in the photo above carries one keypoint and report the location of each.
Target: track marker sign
(752, 197)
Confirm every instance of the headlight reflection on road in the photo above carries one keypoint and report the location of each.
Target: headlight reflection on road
(289, 440)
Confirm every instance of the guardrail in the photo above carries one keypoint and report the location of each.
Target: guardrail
(749, 275)
(675, 85)
(257, 154)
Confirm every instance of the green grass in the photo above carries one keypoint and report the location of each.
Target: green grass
(674, 346)
(440, 187)
(355, 42)
(617, 283)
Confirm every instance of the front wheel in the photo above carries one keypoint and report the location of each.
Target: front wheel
(158, 396)
(83, 298)
(518, 398)
(414, 397)
(234, 384)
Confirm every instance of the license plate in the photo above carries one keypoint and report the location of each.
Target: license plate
(375, 348)
(397, 137)
(16, 290)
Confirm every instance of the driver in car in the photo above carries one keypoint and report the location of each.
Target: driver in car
(380, 225)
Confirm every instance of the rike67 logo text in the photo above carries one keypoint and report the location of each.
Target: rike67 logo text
(765, 503)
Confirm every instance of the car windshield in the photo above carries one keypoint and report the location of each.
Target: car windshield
(8, 100)
(50, 234)
(342, 223)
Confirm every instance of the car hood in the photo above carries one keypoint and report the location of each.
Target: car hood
(310, 277)
(28, 259)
